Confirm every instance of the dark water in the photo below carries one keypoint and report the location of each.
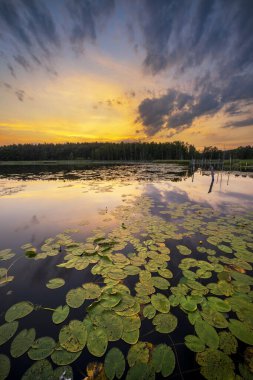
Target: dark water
(36, 204)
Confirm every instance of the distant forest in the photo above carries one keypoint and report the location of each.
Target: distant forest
(135, 151)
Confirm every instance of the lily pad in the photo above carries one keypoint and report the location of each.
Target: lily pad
(42, 370)
(131, 323)
(5, 366)
(41, 348)
(65, 371)
(163, 360)
(184, 250)
(194, 343)
(228, 343)
(91, 291)
(19, 310)
(55, 283)
(22, 342)
(110, 300)
(138, 353)
(219, 304)
(97, 341)
(165, 323)
(141, 371)
(113, 325)
(207, 334)
(160, 303)
(73, 336)
(241, 331)
(114, 364)
(149, 311)
(131, 337)
(64, 357)
(75, 298)
(7, 330)
(160, 283)
(215, 365)
(60, 314)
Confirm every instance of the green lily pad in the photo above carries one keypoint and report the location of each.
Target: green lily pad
(114, 364)
(41, 348)
(113, 325)
(138, 353)
(165, 323)
(126, 302)
(60, 314)
(55, 283)
(75, 298)
(188, 304)
(149, 311)
(215, 365)
(241, 331)
(91, 291)
(64, 357)
(7, 330)
(73, 336)
(130, 311)
(131, 323)
(194, 343)
(141, 371)
(163, 360)
(5, 366)
(110, 300)
(42, 370)
(63, 371)
(207, 334)
(160, 283)
(184, 250)
(160, 303)
(228, 343)
(97, 341)
(131, 337)
(19, 310)
(219, 304)
(6, 254)
(22, 342)
(214, 318)
(224, 248)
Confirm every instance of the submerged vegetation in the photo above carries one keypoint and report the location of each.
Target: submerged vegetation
(158, 283)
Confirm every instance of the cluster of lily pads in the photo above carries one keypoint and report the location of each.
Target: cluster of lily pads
(185, 266)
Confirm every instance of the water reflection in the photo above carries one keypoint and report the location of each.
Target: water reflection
(34, 210)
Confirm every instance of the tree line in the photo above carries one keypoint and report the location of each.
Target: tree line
(132, 151)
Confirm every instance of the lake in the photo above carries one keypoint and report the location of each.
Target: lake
(142, 271)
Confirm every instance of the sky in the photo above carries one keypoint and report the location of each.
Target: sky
(126, 70)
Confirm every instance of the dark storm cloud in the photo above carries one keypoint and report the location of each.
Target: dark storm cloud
(211, 38)
(240, 123)
(178, 110)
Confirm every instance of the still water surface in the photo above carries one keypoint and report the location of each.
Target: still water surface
(38, 204)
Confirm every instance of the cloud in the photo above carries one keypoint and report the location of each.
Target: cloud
(176, 110)
(22, 61)
(183, 34)
(20, 95)
(240, 124)
(85, 16)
